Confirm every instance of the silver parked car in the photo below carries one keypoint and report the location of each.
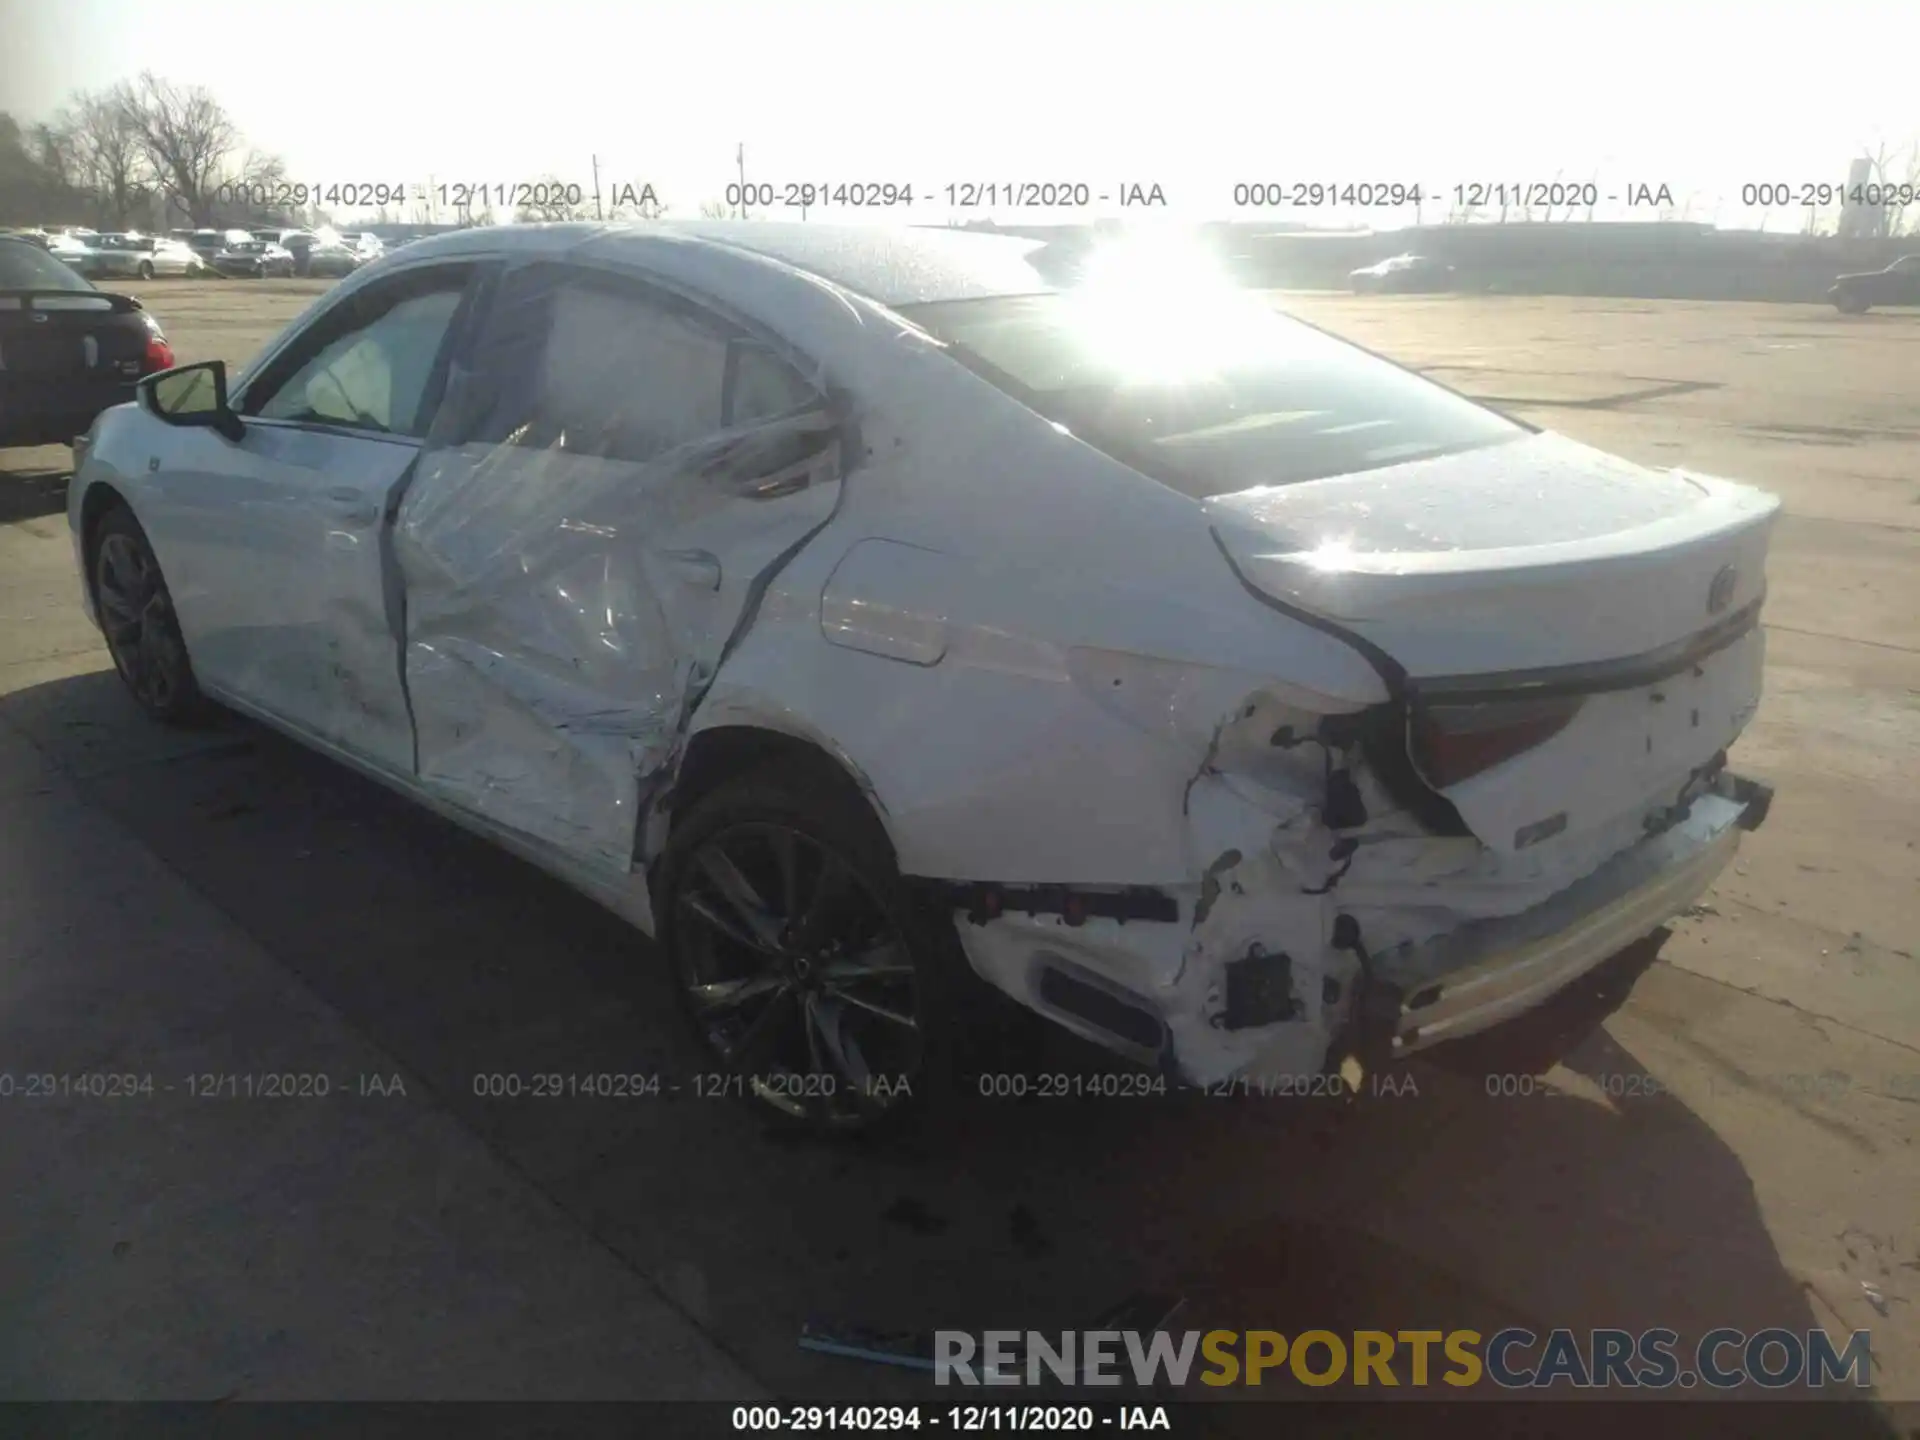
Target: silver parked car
(1402, 275)
(79, 253)
(145, 256)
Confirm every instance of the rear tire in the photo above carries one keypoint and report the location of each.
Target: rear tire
(806, 967)
(144, 270)
(136, 616)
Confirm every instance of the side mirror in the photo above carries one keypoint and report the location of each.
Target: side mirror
(193, 395)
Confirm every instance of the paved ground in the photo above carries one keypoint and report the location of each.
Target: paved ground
(1736, 1147)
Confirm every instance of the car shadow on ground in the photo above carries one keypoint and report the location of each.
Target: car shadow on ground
(1453, 1204)
(32, 486)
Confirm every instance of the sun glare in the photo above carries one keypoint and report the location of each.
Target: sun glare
(1332, 554)
(1161, 308)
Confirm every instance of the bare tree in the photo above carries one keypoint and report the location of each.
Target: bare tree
(189, 141)
(31, 191)
(52, 149)
(107, 153)
(631, 203)
(715, 210)
(258, 192)
(547, 199)
(1895, 170)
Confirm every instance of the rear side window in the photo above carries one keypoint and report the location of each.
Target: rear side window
(28, 267)
(627, 379)
(762, 386)
(1209, 395)
(588, 365)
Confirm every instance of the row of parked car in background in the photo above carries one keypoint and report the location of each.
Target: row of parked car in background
(250, 254)
(1855, 294)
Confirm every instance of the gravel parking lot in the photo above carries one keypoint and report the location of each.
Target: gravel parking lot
(1735, 1147)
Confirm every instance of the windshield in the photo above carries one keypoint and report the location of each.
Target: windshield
(1208, 393)
(28, 267)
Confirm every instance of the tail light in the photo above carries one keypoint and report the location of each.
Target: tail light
(159, 354)
(1451, 743)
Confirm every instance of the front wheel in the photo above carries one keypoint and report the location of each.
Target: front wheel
(136, 616)
(145, 270)
(806, 967)
(1849, 302)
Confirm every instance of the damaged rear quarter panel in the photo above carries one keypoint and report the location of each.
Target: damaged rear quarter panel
(1034, 699)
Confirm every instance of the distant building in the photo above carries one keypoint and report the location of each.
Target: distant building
(1859, 220)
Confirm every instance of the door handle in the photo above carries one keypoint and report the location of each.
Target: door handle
(699, 568)
(351, 504)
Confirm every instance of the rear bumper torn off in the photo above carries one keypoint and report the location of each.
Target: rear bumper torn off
(1267, 978)
(1493, 970)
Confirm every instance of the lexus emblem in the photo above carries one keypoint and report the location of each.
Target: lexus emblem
(1722, 588)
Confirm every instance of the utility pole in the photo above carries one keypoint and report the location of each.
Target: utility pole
(598, 213)
(740, 162)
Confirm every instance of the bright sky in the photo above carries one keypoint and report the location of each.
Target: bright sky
(1191, 95)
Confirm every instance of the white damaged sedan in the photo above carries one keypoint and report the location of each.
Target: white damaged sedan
(855, 609)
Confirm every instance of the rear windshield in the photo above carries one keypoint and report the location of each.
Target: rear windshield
(28, 267)
(1208, 395)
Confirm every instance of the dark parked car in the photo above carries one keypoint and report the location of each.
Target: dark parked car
(1402, 274)
(298, 243)
(255, 259)
(67, 350)
(1898, 284)
(207, 244)
(331, 257)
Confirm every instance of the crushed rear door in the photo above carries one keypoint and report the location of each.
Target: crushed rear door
(582, 542)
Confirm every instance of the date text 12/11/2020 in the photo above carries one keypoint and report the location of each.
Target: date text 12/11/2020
(205, 1085)
(961, 1419)
(987, 1085)
(1466, 195)
(567, 198)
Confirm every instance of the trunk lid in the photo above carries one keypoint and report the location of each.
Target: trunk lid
(1574, 635)
(1533, 554)
(51, 334)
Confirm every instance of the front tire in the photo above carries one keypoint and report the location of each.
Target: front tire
(806, 967)
(1847, 302)
(145, 270)
(137, 617)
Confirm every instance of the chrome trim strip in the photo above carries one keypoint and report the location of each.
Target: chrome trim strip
(1629, 672)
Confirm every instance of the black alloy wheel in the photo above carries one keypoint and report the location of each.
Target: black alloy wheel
(799, 956)
(136, 616)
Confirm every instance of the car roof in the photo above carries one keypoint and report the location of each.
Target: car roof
(892, 265)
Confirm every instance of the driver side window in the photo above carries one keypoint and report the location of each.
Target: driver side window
(370, 370)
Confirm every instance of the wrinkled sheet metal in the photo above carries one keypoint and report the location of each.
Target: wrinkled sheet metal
(565, 611)
(1271, 877)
